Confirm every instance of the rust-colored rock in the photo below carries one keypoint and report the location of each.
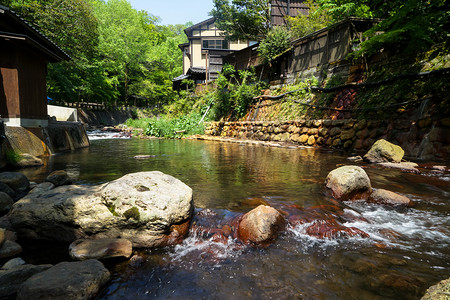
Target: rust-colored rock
(331, 229)
(260, 226)
(381, 196)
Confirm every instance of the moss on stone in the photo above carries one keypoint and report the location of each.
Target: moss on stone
(132, 213)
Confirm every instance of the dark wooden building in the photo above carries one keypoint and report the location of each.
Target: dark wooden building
(24, 55)
(282, 8)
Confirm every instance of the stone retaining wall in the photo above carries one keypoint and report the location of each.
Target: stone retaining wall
(421, 139)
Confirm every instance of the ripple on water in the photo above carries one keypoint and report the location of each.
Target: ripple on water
(103, 135)
(411, 229)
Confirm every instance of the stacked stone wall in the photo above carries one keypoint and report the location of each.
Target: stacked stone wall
(423, 139)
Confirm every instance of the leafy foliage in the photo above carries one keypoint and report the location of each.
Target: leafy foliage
(410, 26)
(316, 19)
(276, 42)
(118, 54)
(242, 19)
(165, 126)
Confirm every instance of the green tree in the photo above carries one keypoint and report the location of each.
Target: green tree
(242, 19)
(72, 25)
(276, 42)
(316, 19)
(407, 25)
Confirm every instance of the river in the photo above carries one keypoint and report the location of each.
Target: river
(407, 249)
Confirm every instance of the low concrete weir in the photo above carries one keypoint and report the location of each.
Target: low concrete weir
(57, 137)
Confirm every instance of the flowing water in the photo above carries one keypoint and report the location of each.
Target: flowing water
(406, 250)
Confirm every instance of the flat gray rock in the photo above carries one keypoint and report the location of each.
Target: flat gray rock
(12, 279)
(100, 249)
(10, 249)
(66, 280)
(150, 209)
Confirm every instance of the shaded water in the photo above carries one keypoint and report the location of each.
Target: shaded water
(407, 249)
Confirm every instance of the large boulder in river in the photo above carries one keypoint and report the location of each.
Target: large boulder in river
(260, 226)
(148, 208)
(384, 151)
(349, 183)
(66, 280)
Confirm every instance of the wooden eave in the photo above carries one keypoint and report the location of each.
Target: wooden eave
(27, 33)
(188, 30)
(53, 57)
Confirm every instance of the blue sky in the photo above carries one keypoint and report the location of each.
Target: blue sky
(176, 11)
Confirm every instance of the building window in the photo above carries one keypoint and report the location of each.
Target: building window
(215, 44)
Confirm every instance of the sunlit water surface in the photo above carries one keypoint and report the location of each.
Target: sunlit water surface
(231, 179)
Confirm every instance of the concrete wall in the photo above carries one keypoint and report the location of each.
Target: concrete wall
(103, 117)
(421, 139)
(57, 137)
(62, 113)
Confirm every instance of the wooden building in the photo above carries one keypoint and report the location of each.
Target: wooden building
(203, 54)
(24, 55)
(307, 55)
(279, 9)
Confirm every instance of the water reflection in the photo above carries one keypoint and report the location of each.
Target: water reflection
(407, 250)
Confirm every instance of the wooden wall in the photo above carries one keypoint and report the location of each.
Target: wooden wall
(279, 10)
(23, 82)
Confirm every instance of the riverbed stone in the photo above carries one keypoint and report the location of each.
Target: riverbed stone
(100, 249)
(403, 166)
(10, 249)
(260, 226)
(13, 263)
(16, 181)
(381, 196)
(439, 291)
(66, 280)
(59, 178)
(12, 278)
(6, 203)
(27, 160)
(6, 189)
(384, 151)
(149, 208)
(348, 183)
(42, 188)
(311, 140)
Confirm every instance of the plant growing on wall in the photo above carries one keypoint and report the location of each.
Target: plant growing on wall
(276, 42)
(316, 19)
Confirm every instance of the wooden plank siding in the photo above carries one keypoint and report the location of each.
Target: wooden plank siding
(281, 8)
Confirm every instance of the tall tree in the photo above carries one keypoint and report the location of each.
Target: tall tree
(243, 19)
(407, 25)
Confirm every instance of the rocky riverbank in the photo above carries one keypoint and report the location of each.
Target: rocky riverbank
(151, 209)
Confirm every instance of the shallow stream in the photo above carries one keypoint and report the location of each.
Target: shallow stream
(407, 249)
